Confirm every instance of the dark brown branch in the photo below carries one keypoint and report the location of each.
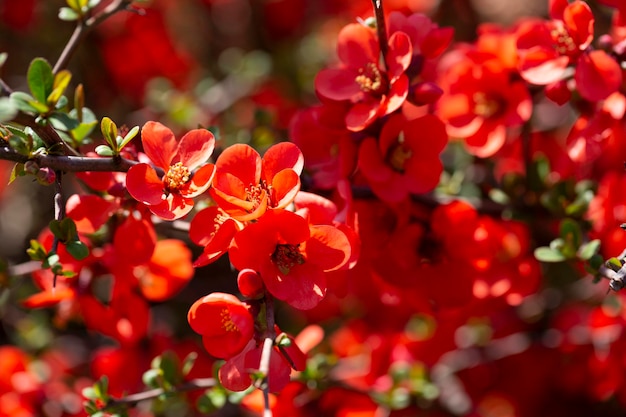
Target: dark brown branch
(70, 163)
(381, 27)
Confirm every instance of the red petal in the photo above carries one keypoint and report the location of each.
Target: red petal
(285, 186)
(362, 115)
(159, 144)
(371, 162)
(357, 46)
(337, 84)
(169, 271)
(597, 75)
(48, 298)
(195, 148)
(282, 156)
(200, 181)
(134, 241)
(144, 185)
(579, 20)
(174, 207)
(302, 288)
(436, 41)
(542, 66)
(328, 247)
(399, 54)
(242, 161)
(487, 140)
(89, 212)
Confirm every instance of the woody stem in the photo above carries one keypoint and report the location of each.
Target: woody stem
(266, 353)
(381, 27)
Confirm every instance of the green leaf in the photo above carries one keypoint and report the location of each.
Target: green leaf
(22, 102)
(40, 79)
(3, 58)
(104, 150)
(36, 251)
(129, 136)
(68, 227)
(89, 393)
(614, 264)
(63, 121)
(77, 249)
(17, 171)
(546, 254)
(82, 131)
(109, 131)
(188, 363)
(8, 109)
(587, 250)
(67, 14)
(61, 81)
(152, 378)
(55, 228)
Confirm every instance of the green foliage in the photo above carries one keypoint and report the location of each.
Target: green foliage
(115, 142)
(65, 231)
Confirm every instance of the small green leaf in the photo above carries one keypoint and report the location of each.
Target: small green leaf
(8, 109)
(82, 131)
(570, 232)
(17, 171)
(188, 363)
(129, 136)
(3, 58)
(79, 101)
(587, 250)
(546, 254)
(68, 228)
(614, 264)
(36, 251)
(55, 228)
(104, 150)
(152, 378)
(67, 14)
(77, 249)
(109, 131)
(61, 81)
(40, 79)
(22, 102)
(89, 393)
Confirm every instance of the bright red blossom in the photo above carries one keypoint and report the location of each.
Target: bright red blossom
(245, 185)
(224, 322)
(169, 197)
(291, 255)
(373, 90)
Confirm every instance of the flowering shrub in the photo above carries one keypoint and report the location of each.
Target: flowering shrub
(359, 210)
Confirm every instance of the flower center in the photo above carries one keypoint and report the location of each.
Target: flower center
(227, 321)
(256, 193)
(398, 154)
(563, 42)
(485, 106)
(287, 256)
(371, 80)
(176, 176)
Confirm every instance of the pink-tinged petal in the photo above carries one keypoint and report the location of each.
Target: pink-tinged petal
(399, 54)
(242, 161)
(579, 21)
(89, 212)
(541, 66)
(282, 156)
(233, 374)
(597, 75)
(398, 92)
(357, 46)
(362, 115)
(144, 185)
(285, 186)
(487, 140)
(195, 148)
(172, 208)
(328, 247)
(371, 162)
(159, 144)
(199, 182)
(302, 288)
(279, 369)
(337, 84)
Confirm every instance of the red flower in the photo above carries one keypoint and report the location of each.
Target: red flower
(246, 185)
(373, 91)
(291, 255)
(547, 48)
(405, 159)
(224, 322)
(213, 229)
(170, 197)
(482, 100)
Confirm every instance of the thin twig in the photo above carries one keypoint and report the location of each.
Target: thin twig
(133, 399)
(381, 28)
(59, 214)
(266, 353)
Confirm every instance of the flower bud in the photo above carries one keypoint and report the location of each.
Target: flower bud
(250, 284)
(46, 176)
(31, 167)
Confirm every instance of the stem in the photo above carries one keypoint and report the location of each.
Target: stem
(133, 399)
(59, 214)
(71, 163)
(381, 28)
(266, 353)
(83, 27)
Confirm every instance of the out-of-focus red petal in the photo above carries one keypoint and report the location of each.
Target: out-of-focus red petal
(556, 8)
(144, 185)
(357, 46)
(168, 271)
(89, 212)
(48, 298)
(321, 210)
(371, 162)
(233, 374)
(337, 83)
(195, 148)
(399, 54)
(279, 369)
(579, 21)
(134, 241)
(597, 75)
(398, 93)
(282, 156)
(159, 144)
(436, 41)
(541, 66)
(487, 140)
(199, 182)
